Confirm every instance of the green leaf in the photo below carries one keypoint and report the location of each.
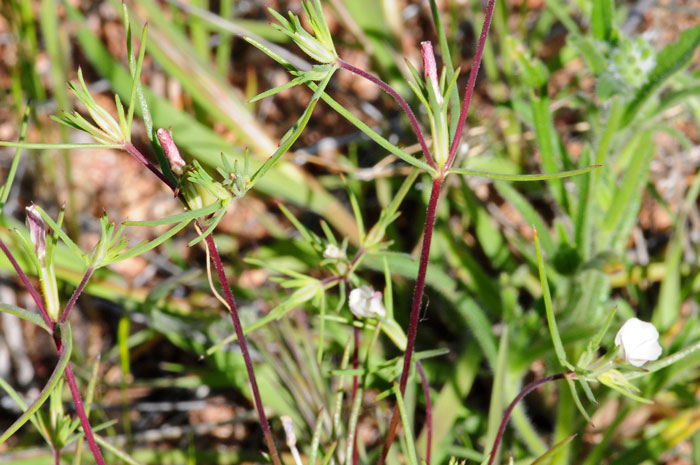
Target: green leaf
(554, 449)
(67, 341)
(551, 321)
(146, 246)
(135, 87)
(670, 60)
(521, 204)
(524, 177)
(296, 130)
(496, 404)
(412, 458)
(25, 315)
(180, 217)
(602, 19)
(548, 143)
(64, 237)
(372, 134)
(453, 93)
(5, 190)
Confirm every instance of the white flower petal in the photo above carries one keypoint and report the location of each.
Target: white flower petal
(638, 342)
(366, 303)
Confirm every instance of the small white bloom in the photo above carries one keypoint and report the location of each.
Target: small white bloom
(366, 303)
(334, 252)
(638, 342)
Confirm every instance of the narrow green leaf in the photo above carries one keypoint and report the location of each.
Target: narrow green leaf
(5, 191)
(287, 85)
(453, 94)
(298, 128)
(555, 448)
(67, 341)
(412, 458)
(602, 19)
(38, 421)
(521, 204)
(551, 321)
(670, 60)
(25, 315)
(64, 237)
(524, 177)
(577, 399)
(213, 224)
(146, 246)
(548, 143)
(496, 404)
(372, 134)
(137, 81)
(37, 146)
(180, 217)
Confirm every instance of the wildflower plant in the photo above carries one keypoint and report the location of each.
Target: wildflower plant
(332, 279)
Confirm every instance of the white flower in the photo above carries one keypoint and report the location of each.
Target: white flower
(334, 252)
(638, 342)
(366, 303)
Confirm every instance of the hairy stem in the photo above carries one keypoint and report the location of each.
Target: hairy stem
(472, 82)
(134, 152)
(415, 309)
(80, 410)
(402, 103)
(76, 294)
(68, 373)
(233, 311)
(30, 288)
(228, 295)
(428, 410)
(506, 415)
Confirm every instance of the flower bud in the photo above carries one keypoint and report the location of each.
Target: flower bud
(638, 342)
(430, 69)
(37, 232)
(366, 303)
(177, 164)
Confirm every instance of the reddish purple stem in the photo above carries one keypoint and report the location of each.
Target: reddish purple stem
(472, 82)
(80, 410)
(134, 152)
(25, 280)
(428, 410)
(402, 103)
(76, 294)
(228, 295)
(506, 416)
(415, 309)
(68, 373)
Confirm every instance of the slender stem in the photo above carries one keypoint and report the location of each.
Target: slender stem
(76, 294)
(80, 410)
(428, 410)
(32, 291)
(471, 83)
(218, 265)
(56, 455)
(68, 373)
(506, 415)
(233, 310)
(415, 309)
(402, 103)
(134, 152)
